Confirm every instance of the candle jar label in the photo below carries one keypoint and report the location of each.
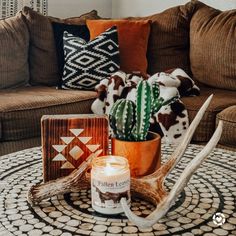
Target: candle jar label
(107, 192)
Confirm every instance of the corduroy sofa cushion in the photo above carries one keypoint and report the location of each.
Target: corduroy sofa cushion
(228, 116)
(168, 45)
(213, 46)
(14, 44)
(42, 51)
(221, 100)
(42, 54)
(21, 109)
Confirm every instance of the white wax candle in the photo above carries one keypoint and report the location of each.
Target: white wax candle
(110, 181)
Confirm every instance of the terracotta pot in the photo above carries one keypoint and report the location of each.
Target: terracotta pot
(144, 157)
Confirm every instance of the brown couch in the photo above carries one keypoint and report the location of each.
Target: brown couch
(185, 36)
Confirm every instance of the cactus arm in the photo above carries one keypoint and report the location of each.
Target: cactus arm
(112, 119)
(169, 100)
(129, 119)
(143, 111)
(125, 119)
(122, 119)
(158, 102)
(157, 105)
(155, 90)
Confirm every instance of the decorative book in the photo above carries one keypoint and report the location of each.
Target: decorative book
(68, 140)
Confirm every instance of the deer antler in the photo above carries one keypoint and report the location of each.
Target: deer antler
(76, 180)
(150, 187)
(166, 202)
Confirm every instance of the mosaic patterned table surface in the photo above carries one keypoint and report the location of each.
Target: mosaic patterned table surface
(212, 189)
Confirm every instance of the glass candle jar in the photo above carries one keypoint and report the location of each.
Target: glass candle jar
(110, 181)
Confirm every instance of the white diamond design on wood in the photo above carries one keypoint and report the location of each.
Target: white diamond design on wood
(76, 152)
(76, 132)
(93, 148)
(59, 148)
(84, 140)
(67, 165)
(59, 157)
(67, 140)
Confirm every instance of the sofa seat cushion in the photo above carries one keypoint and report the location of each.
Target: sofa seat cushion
(228, 116)
(21, 109)
(221, 100)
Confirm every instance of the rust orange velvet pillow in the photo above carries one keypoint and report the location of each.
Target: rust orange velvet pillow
(133, 41)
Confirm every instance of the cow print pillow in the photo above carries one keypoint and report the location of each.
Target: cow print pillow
(86, 64)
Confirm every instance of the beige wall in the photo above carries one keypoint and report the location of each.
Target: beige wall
(123, 8)
(67, 8)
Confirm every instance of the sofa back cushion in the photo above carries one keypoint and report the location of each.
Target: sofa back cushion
(44, 68)
(81, 20)
(168, 45)
(14, 44)
(213, 46)
(42, 51)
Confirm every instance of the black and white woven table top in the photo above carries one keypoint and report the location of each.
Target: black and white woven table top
(211, 190)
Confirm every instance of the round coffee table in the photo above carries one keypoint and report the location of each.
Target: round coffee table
(211, 190)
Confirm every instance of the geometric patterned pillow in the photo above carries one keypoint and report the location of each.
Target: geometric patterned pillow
(86, 64)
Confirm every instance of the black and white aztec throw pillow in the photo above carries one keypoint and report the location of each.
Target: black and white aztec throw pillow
(87, 63)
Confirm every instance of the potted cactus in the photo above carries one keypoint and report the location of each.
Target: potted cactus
(130, 124)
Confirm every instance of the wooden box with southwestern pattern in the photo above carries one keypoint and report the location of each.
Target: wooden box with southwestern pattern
(68, 140)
